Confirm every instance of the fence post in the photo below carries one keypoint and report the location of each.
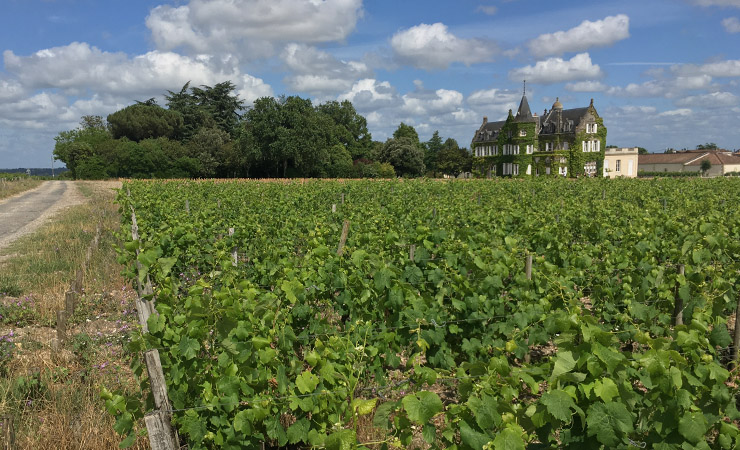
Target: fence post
(343, 239)
(678, 302)
(61, 326)
(234, 251)
(78, 281)
(8, 433)
(69, 302)
(736, 337)
(158, 423)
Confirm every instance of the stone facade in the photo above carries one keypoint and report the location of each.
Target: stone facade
(561, 142)
(621, 162)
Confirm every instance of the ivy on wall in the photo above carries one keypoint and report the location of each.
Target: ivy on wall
(575, 157)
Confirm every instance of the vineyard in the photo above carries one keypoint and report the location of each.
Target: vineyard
(425, 314)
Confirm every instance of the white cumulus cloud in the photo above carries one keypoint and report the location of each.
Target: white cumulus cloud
(370, 94)
(488, 10)
(583, 37)
(731, 24)
(428, 103)
(681, 112)
(79, 68)
(434, 47)
(317, 72)
(250, 26)
(489, 97)
(556, 70)
(711, 100)
(586, 86)
(717, 69)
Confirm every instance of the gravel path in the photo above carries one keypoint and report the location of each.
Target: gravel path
(25, 212)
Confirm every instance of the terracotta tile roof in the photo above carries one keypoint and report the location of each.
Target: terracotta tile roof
(690, 158)
(666, 158)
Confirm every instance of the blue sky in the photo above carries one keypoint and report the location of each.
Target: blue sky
(662, 73)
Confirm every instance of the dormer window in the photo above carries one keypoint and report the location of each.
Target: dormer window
(522, 133)
(591, 128)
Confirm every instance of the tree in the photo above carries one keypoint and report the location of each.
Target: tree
(705, 166)
(207, 107)
(707, 146)
(453, 160)
(207, 147)
(350, 127)
(194, 117)
(405, 155)
(73, 147)
(432, 147)
(406, 131)
(92, 123)
(144, 121)
(340, 162)
(642, 151)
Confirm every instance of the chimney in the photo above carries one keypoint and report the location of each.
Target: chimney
(485, 120)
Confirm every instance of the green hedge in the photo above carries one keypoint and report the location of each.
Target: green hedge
(645, 174)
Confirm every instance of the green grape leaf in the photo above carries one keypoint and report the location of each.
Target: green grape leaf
(189, 347)
(342, 440)
(559, 404)
(693, 426)
(608, 422)
(306, 382)
(564, 363)
(508, 439)
(298, 431)
(422, 406)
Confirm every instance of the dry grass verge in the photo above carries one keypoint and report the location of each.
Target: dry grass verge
(10, 188)
(53, 396)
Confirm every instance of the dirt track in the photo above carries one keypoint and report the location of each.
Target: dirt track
(25, 212)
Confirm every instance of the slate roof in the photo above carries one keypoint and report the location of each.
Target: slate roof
(524, 114)
(488, 131)
(570, 119)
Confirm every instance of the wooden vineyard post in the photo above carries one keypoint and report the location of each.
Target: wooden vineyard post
(528, 272)
(736, 336)
(234, 252)
(343, 239)
(412, 250)
(343, 198)
(187, 206)
(61, 326)
(333, 207)
(78, 281)
(158, 422)
(69, 302)
(8, 433)
(678, 302)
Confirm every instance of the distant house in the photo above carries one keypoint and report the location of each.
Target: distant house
(722, 162)
(621, 162)
(561, 142)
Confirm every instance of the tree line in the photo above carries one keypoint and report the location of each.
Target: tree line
(208, 132)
